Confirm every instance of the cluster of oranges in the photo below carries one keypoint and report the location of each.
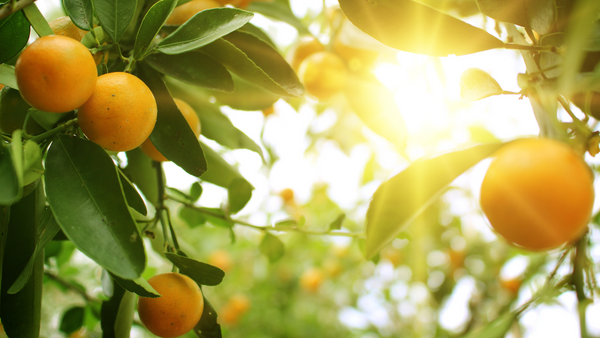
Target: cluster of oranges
(58, 74)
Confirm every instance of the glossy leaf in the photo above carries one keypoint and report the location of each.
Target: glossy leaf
(81, 13)
(239, 193)
(279, 10)
(219, 171)
(259, 33)
(37, 20)
(117, 313)
(132, 196)
(477, 84)
(14, 34)
(172, 135)
(272, 247)
(208, 327)
(195, 191)
(192, 217)
(140, 169)
(154, 19)
(7, 75)
(115, 16)
(215, 125)
(497, 328)
(72, 320)
(201, 273)
(90, 41)
(203, 28)
(48, 120)
(85, 196)
(257, 62)
(246, 96)
(398, 201)
(139, 286)
(51, 228)
(21, 312)
(417, 28)
(377, 108)
(195, 68)
(9, 181)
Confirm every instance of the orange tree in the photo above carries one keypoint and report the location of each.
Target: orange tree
(62, 193)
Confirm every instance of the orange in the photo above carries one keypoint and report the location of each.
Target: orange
(192, 119)
(538, 194)
(323, 74)
(511, 285)
(178, 309)
(65, 27)
(183, 13)
(120, 114)
(56, 74)
(287, 195)
(307, 45)
(311, 279)
(220, 259)
(233, 310)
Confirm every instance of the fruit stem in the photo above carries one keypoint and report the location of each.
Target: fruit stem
(160, 207)
(62, 127)
(580, 264)
(530, 48)
(581, 126)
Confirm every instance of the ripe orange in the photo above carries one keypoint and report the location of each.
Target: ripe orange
(307, 45)
(56, 74)
(311, 279)
(323, 74)
(120, 114)
(177, 311)
(192, 119)
(221, 259)
(183, 13)
(233, 310)
(538, 194)
(65, 27)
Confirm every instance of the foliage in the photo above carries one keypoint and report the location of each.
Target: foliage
(83, 228)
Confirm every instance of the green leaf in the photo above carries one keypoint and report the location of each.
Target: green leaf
(192, 217)
(21, 312)
(14, 34)
(195, 191)
(140, 169)
(204, 28)
(72, 320)
(132, 196)
(154, 19)
(139, 286)
(51, 228)
(272, 247)
(89, 40)
(414, 27)
(246, 96)
(257, 62)
(376, 107)
(259, 33)
(9, 181)
(220, 172)
(172, 135)
(13, 111)
(85, 196)
(337, 224)
(398, 201)
(208, 327)
(498, 328)
(7, 74)
(117, 313)
(279, 10)
(239, 193)
(477, 84)
(81, 13)
(201, 273)
(48, 120)
(115, 16)
(215, 125)
(37, 20)
(194, 68)
(32, 162)
(537, 14)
